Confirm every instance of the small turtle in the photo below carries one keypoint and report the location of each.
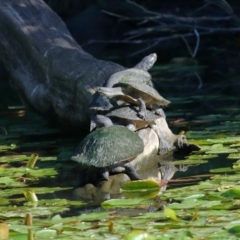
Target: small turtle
(138, 73)
(100, 104)
(136, 93)
(108, 150)
(127, 116)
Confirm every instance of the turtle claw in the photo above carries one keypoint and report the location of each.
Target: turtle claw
(160, 112)
(142, 115)
(104, 174)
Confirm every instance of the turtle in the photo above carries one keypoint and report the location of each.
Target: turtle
(139, 70)
(100, 104)
(127, 116)
(108, 150)
(138, 94)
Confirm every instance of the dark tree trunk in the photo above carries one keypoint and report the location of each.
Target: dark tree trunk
(48, 69)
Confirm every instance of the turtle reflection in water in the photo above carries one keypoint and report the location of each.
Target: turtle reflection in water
(127, 116)
(108, 150)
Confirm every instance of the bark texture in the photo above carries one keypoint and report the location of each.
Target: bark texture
(48, 69)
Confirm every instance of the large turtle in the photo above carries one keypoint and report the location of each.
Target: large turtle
(108, 150)
(136, 93)
(100, 104)
(128, 116)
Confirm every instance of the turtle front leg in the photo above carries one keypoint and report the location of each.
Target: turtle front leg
(142, 112)
(131, 172)
(98, 120)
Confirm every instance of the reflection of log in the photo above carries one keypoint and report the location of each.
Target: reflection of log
(49, 70)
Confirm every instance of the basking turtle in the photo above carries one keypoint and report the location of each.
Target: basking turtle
(128, 116)
(108, 150)
(138, 73)
(136, 93)
(101, 104)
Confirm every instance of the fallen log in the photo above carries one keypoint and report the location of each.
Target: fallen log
(48, 69)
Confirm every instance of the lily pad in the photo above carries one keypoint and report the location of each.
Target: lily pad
(127, 203)
(140, 189)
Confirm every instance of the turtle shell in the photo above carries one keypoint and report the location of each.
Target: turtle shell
(131, 113)
(127, 114)
(135, 75)
(108, 146)
(149, 94)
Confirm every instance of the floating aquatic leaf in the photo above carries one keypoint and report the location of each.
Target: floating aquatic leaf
(140, 185)
(234, 156)
(235, 230)
(222, 170)
(36, 211)
(219, 148)
(237, 145)
(140, 189)
(4, 201)
(236, 165)
(170, 213)
(126, 203)
(94, 216)
(201, 156)
(59, 202)
(53, 158)
(7, 147)
(12, 158)
(45, 233)
(139, 235)
(10, 182)
(227, 140)
(232, 193)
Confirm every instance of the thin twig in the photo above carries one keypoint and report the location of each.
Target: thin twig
(170, 17)
(197, 43)
(193, 54)
(187, 45)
